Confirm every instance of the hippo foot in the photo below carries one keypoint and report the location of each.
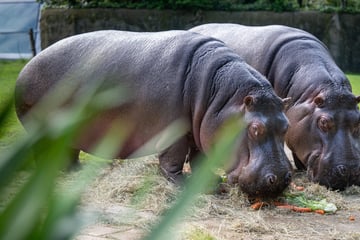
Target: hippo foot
(222, 189)
(74, 162)
(74, 166)
(177, 178)
(299, 165)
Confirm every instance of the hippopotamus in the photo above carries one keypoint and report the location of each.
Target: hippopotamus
(324, 117)
(168, 76)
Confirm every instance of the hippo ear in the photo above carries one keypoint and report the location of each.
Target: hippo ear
(358, 99)
(286, 102)
(319, 101)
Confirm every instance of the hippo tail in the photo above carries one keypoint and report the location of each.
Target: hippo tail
(22, 106)
(27, 88)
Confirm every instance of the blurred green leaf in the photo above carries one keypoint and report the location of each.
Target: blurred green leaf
(37, 211)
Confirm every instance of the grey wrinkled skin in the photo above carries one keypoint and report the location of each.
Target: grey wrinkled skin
(171, 75)
(324, 116)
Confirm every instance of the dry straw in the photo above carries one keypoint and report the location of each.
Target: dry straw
(133, 193)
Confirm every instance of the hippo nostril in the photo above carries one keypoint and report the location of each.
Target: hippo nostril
(288, 177)
(271, 178)
(341, 170)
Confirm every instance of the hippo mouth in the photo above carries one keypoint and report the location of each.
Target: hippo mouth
(255, 191)
(337, 177)
(265, 188)
(340, 177)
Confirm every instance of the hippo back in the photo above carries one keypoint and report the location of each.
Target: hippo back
(151, 67)
(278, 52)
(161, 72)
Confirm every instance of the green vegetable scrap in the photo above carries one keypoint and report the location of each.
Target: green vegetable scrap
(224, 178)
(301, 200)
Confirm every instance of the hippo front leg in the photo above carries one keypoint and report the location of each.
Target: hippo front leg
(74, 161)
(299, 165)
(172, 160)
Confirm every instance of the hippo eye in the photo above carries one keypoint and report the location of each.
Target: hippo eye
(325, 124)
(256, 130)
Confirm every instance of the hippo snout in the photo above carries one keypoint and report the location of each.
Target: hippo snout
(339, 177)
(264, 185)
(272, 179)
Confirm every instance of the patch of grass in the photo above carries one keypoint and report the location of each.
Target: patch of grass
(9, 70)
(355, 83)
(11, 129)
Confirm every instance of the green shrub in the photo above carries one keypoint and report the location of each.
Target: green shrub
(155, 4)
(228, 5)
(37, 210)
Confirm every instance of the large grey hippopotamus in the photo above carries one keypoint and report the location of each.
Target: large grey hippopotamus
(324, 117)
(171, 75)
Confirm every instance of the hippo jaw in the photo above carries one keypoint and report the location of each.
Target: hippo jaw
(333, 173)
(338, 177)
(266, 174)
(264, 185)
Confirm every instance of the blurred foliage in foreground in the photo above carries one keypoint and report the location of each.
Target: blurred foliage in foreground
(39, 209)
(227, 5)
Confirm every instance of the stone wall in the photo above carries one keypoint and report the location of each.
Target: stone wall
(340, 32)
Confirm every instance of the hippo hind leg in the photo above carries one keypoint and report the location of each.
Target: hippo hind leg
(172, 160)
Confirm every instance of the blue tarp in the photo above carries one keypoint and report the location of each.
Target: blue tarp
(16, 19)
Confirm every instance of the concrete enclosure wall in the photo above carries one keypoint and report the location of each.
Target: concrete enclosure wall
(340, 32)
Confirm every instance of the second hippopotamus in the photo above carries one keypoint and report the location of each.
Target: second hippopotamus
(324, 118)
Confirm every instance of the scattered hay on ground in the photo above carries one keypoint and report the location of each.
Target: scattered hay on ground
(317, 192)
(136, 183)
(135, 194)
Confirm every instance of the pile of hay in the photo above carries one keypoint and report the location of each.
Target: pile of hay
(134, 193)
(136, 187)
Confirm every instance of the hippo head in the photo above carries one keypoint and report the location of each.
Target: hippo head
(262, 168)
(324, 136)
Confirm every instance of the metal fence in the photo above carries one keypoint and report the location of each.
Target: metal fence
(19, 29)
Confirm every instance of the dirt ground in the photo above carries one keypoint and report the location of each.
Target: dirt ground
(132, 194)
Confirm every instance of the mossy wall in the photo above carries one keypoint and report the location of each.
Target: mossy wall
(340, 32)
